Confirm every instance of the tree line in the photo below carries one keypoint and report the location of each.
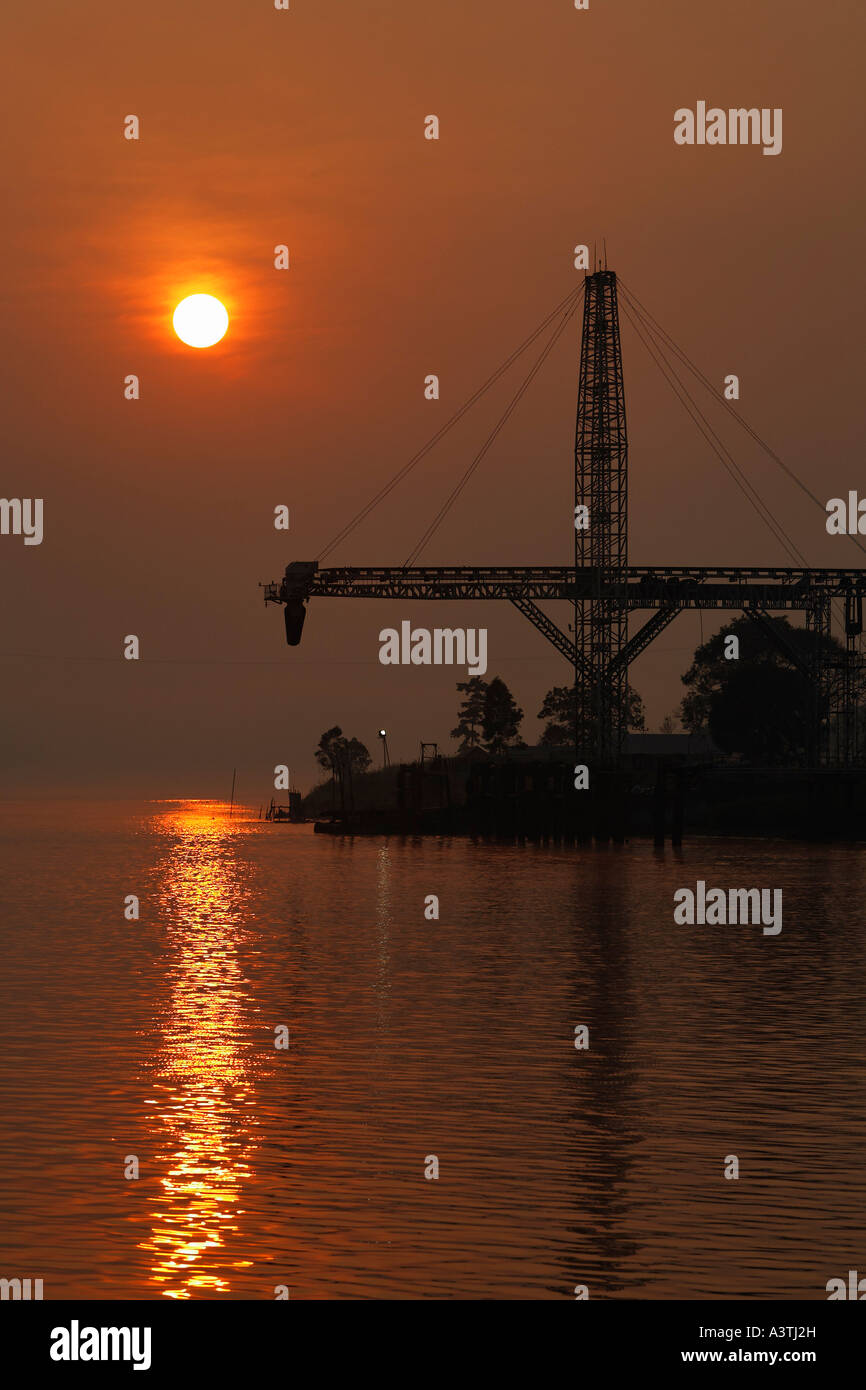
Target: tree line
(488, 721)
(758, 707)
(489, 717)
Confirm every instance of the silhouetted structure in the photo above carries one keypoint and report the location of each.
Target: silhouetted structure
(601, 547)
(291, 812)
(605, 589)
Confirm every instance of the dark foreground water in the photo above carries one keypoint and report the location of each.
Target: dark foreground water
(410, 1038)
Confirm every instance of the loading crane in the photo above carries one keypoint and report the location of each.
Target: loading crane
(603, 589)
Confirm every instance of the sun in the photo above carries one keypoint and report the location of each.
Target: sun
(200, 320)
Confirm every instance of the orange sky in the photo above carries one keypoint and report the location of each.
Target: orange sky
(408, 257)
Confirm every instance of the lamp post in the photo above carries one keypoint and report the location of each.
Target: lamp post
(386, 756)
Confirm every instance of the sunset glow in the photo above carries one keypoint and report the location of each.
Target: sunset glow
(200, 320)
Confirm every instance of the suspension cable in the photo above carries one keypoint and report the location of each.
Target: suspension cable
(630, 301)
(571, 298)
(712, 438)
(512, 405)
(696, 371)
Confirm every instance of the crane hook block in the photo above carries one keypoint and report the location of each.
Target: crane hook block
(295, 613)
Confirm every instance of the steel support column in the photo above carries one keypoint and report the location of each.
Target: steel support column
(818, 622)
(601, 546)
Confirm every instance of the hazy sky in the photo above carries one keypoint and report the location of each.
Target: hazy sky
(408, 257)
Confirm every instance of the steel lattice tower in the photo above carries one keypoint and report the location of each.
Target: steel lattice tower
(601, 484)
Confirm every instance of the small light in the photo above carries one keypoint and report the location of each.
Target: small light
(383, 733)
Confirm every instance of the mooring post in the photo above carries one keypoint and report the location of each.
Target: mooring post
(678, 812)
(659, 806)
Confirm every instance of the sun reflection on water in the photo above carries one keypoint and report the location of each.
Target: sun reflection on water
(204, 1110)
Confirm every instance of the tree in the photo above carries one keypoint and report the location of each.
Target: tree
(501, 718)
(471, 713)
(758, 705)
(327, 752)
(559, 711)
(337, 754)
(669, 723)
(357, 755)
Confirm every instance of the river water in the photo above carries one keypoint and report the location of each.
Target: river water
(152, 1041)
